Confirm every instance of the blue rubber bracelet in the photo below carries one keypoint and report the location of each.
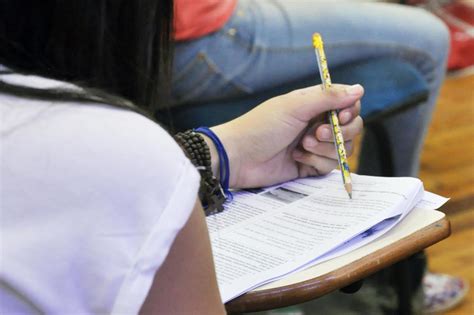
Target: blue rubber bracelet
(224, 168)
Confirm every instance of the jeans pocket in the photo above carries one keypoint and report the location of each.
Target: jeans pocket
(201, 80)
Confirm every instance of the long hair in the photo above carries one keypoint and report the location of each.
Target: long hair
(118, 50)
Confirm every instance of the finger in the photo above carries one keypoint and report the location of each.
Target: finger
(347, 114)
(304, 104)
(322, 164)
(306, 170)
(326, 149)
(349, 131)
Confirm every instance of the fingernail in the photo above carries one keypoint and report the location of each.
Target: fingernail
(355, 89)
(325, 134)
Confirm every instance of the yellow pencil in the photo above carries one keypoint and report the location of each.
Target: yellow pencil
(336, 129)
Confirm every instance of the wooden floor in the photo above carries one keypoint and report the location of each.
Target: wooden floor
(447, 168)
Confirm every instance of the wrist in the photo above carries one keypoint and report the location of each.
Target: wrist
(226, 137)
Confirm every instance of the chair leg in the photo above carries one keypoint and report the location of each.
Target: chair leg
(403, 285)
(376, 152)
(385, 149)
(377, 142)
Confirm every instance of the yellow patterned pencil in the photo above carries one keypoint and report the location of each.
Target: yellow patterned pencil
(336, 129)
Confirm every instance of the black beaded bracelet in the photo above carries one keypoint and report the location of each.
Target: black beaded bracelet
(210, 191)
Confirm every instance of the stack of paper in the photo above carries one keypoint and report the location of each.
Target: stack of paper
(265, 234)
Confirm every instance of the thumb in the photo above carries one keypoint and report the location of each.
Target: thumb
(307, 103)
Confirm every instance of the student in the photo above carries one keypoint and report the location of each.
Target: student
(229, 49)
(99, 210)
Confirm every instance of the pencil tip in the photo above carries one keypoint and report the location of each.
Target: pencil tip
(348, 187)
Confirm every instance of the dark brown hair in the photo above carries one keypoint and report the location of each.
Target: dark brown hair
(118, 50)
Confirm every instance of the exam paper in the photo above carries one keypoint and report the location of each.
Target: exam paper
(265, 234)
(431, 201)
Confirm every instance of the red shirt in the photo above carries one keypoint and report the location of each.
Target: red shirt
(196, 18)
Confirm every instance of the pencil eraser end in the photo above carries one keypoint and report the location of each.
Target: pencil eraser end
(317, 41)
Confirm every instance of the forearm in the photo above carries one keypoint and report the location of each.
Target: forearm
(262, 146)
(206, 149)
(226, 136)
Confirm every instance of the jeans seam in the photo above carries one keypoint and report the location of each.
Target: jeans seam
(202, 57)
(407, 50)
(215, 69)
(186, 68)
(309, 47)
(244, 44)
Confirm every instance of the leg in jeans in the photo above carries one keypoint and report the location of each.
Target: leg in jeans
(267, 44)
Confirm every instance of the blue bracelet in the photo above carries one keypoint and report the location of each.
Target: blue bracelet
(224, 168)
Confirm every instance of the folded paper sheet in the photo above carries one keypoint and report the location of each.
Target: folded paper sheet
(265, 234)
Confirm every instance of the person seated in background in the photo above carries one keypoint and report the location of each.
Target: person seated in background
(227, 49)
(100, 209)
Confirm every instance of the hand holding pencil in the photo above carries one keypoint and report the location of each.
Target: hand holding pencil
(287, 137)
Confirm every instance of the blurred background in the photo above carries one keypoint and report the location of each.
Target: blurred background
(447, 166)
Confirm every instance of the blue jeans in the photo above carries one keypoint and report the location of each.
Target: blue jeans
(267, 44)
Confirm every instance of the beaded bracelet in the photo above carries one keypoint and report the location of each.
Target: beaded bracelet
(210, 191)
